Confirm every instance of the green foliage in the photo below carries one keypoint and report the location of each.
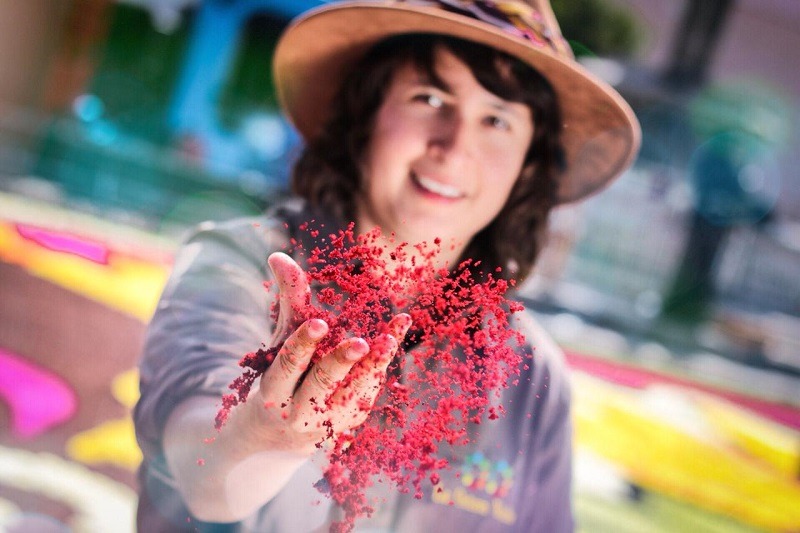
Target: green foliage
(138, 69)
(597, 27)
(249, 86)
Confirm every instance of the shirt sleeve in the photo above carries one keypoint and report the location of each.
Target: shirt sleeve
(214, 309)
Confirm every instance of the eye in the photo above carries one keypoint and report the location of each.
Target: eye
(496, 122)
(429, 99)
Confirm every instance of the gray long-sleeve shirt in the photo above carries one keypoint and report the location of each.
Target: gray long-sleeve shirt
(513, 477)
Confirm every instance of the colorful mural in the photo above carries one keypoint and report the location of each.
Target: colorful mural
(65, 464)
(36, 398)
(123, 281)
(692, 446)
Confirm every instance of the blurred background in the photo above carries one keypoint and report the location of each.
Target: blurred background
(675, 294)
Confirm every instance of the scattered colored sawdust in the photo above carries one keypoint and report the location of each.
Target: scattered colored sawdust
(113, 441)
(110, 442)
(125, 387)
(126, 283)
(37, 398)
(58, 241)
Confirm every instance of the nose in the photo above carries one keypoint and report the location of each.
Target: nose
(451, 139)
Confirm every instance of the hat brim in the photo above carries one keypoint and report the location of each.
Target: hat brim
(600, 136)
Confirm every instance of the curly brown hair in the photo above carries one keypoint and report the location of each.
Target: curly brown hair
(326, 174)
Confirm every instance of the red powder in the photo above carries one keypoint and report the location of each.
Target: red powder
(254, 364)
(463, 354)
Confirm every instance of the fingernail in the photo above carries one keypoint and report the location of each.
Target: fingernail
(388, 347)
(405, 321)
(317, 328)
(357, 350)
(400, 322)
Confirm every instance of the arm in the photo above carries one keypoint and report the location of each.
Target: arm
(554, 471)
(237, 477)
(549, 478)
(272, 434)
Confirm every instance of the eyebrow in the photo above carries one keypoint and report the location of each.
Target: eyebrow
(504, 107)
(425, 78)
(501, 106)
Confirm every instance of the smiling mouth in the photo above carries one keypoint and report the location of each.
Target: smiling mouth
(435, 187)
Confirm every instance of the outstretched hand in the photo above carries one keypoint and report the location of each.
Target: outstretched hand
(304, 403)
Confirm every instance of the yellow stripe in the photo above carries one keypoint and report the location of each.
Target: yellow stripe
(706, 470)
(125, 284)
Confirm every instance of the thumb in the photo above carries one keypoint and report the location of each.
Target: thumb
(294, 292)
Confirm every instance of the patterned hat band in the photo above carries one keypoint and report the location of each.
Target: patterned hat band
(514, 17)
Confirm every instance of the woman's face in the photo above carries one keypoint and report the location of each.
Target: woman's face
(441, 162)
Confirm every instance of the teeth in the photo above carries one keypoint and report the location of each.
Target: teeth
(448, 191)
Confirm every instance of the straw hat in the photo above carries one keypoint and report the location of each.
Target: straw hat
(601, 135)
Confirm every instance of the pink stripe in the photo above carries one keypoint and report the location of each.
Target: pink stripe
(37, 398)
(638, 378)
(66, 243)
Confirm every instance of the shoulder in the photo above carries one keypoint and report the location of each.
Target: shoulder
(285, 226)
(252, 235)
(244, 242)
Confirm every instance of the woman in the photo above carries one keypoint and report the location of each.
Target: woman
(464, 121)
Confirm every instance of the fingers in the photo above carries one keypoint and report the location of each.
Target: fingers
(281, 378)
(325, 376)
(295, 292)
(369, 373)
(367, 365)
(322, 399)
(399, 325)
(357, 398)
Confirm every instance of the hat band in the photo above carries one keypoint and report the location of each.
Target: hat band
(516, 18)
